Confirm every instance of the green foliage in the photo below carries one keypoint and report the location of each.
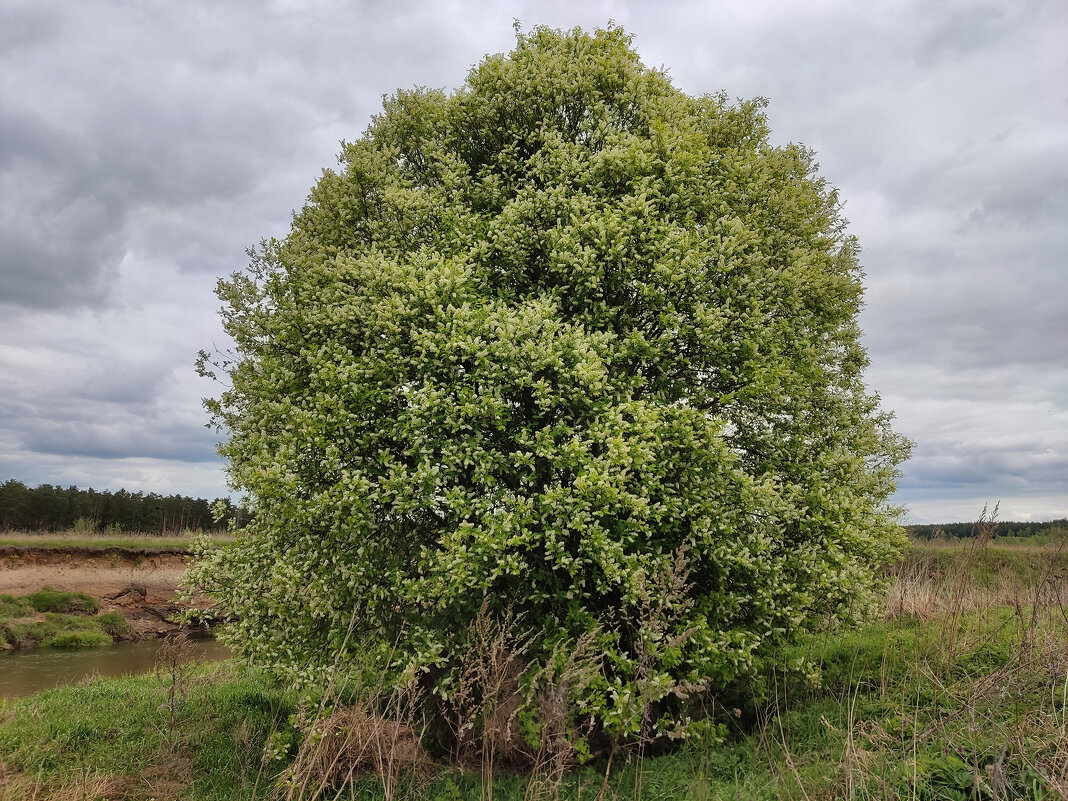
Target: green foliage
(50, 600)
(569, 343)
(1007, 531)
(899, 709)
(54, 508)
(115, 625)
(19, 629)
(56, 630)
(10, 606)
(1022, 567)
(79, 638)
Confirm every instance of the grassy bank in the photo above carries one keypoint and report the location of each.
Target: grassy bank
(120, 541)
(57, 619)
(959, 693)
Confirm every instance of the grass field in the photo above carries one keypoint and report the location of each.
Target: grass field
(959, 692)
(74, 540)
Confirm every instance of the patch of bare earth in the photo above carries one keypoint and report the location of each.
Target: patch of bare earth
(141, 585)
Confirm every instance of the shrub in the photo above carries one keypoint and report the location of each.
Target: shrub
(568, 344)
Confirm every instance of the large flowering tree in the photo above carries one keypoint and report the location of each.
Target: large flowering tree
(566, 342)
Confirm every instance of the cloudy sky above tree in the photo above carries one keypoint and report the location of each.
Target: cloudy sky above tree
(144, 147)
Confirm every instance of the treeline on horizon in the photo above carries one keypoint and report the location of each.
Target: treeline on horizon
(949, 531)
(54, 508)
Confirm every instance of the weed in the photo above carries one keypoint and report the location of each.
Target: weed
(350, 744)
(79, 638)
(62, 631)
(173, 666)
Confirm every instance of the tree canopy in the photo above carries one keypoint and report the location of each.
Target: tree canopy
(566, 344)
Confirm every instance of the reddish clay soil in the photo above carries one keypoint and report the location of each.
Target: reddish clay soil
(141, 585)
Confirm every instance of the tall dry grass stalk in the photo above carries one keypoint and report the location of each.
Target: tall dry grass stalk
(352, 743)
(985, 704)
(985, 690)
(497, 684)
(928, 585)
(372, 732)
(559, 681)
(482, 707)
(175, 663)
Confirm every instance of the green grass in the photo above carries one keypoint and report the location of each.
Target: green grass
(10, 606)
(69, 621)
(114, 625)
(968, 703)
(75, 540)
(74, 603)
(119, 733)
(1012, 566)
(55, 631)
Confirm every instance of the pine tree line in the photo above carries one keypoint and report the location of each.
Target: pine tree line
(54, 508)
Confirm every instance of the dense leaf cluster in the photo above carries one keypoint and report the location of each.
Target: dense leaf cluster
(567, 342)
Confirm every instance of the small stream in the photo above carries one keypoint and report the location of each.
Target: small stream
(27, 672)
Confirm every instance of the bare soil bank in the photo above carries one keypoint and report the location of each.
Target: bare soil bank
(140, 584)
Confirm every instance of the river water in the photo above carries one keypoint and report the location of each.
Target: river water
(28, 672)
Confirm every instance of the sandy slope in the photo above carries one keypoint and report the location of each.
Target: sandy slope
(140, 584)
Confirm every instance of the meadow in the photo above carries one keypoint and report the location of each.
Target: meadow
(108, 541)
(957, 690)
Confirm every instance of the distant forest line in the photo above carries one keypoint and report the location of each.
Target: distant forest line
(55, 508)
(1005, 528)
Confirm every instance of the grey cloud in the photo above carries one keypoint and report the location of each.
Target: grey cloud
(980, 319)
(80, 391)
(966, 28)
(123, 384)
(145, 474)
(114, 440)
(73, 172)
(1038, 198)
(956, 465)
(57, 256)
(24, 23)
(167, 116)
(1013, 176)
(109, 418)
(143, 147)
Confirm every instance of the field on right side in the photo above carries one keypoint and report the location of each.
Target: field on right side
(959, 693)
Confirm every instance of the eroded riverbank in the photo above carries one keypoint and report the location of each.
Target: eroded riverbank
(139, 584)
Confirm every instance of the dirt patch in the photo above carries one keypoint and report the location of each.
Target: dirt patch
(141, 585)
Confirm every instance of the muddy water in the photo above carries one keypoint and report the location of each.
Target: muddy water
(28, 672)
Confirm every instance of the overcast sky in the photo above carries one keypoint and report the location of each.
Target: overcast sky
(144, 146)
